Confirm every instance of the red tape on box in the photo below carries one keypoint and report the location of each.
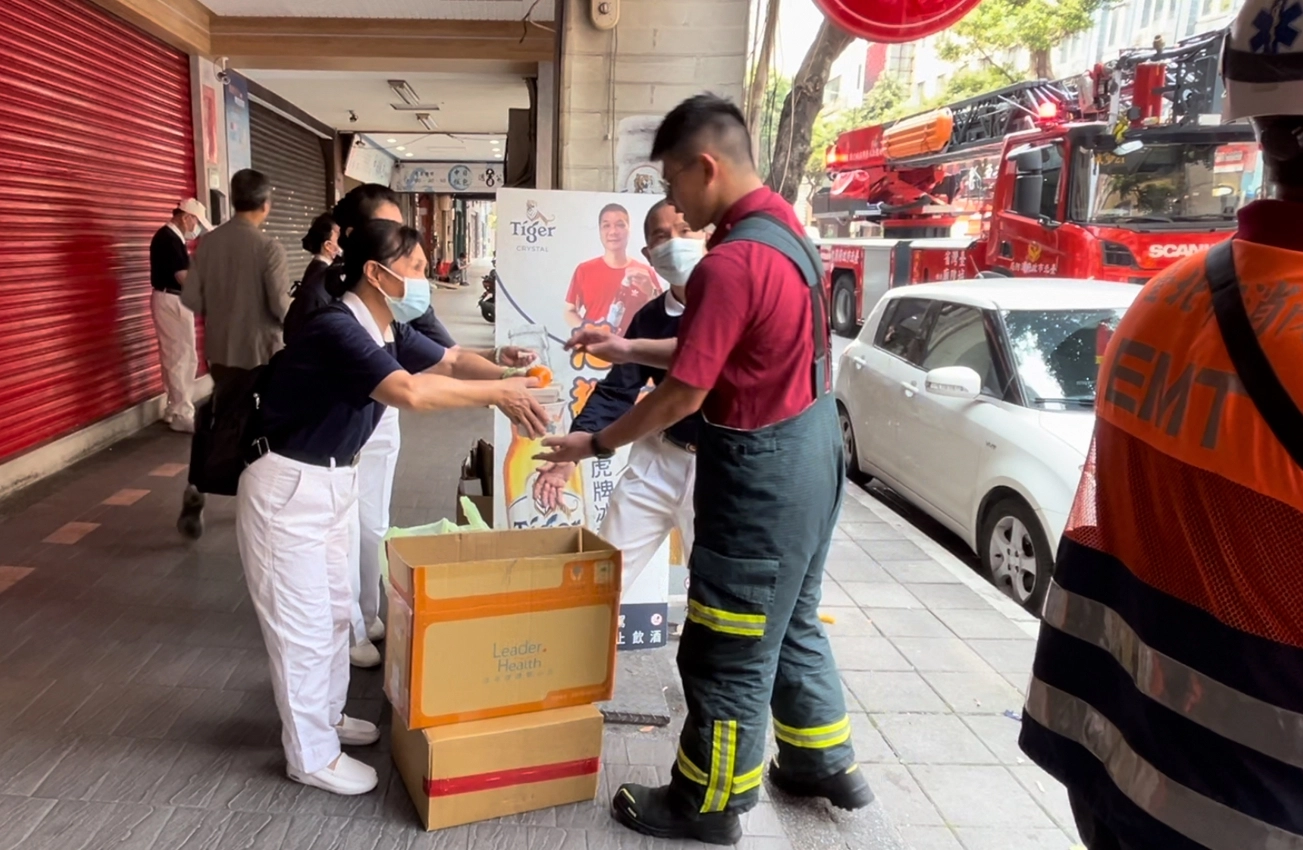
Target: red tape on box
(508, 778)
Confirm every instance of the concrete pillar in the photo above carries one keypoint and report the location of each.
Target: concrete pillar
(661, 52)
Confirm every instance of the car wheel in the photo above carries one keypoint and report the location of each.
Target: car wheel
(1016, 553)
(843, 305)
(849, 451)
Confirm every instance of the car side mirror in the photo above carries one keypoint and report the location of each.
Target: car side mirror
(954, 382)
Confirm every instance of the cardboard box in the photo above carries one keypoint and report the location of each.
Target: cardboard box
(492, 768)
(495, 623)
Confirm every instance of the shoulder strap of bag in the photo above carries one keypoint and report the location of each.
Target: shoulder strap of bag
(765, 229)
(1251, 364)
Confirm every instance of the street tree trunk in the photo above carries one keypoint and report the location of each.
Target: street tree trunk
(1041, 69)
(760, 76)
(801, 108)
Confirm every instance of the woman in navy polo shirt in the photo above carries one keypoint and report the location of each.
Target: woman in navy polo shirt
(321, 399)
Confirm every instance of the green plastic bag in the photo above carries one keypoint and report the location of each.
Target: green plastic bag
(443, 526)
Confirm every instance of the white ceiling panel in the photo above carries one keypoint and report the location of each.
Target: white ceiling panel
(467, 103)
(439, 10)
(436, 147)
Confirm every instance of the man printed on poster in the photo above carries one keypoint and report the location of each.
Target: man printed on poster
(609, 289)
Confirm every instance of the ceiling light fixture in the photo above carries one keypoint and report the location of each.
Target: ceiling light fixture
(405, 92)
(391, 141)
(400, 148)
(409, 153)
(424, 118)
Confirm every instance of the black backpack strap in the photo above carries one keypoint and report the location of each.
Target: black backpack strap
(765, 229)
(1251, 364)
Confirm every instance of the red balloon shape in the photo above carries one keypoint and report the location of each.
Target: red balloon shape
(892, 21)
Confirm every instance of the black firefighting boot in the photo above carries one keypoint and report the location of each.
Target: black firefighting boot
(846, 789)
(662, 813)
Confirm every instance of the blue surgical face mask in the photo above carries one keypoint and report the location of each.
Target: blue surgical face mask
(415, 300)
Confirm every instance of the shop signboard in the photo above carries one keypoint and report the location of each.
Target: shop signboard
(565, 260)
(448, 177)
(367, 164)
(239, 151)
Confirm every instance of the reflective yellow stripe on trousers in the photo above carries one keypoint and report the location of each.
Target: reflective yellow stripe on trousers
(726, 622)
(721, 783)
(815, 738)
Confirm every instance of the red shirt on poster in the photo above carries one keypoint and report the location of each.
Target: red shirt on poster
(746, 333)
(596, 287)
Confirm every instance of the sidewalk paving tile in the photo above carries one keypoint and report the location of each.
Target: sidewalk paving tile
(1000, 734)
(848, 622)
(834, 596)
(919, 572)
(980, 623)
(1009, 656)
(901, 795)
(1003, 838)
(884, 595)
(930, 838)
(868, 653)
(932, 739)
(893, 550)
(863, 531)
(969, 795)
(1046, 791)
(976, 693)
(940, 597)
(862, 569)
(869, 744)
(940, 654)
(898, 622)
(881, 693)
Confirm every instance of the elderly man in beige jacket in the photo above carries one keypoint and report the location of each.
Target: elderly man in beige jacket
(239, 282)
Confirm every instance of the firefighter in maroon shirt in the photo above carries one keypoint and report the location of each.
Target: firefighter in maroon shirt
(752, 355)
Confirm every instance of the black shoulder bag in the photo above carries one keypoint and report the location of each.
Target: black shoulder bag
(1260, 382)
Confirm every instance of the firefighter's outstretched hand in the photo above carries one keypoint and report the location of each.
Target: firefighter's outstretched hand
(551, 483)
(601, 343)
(569, 448)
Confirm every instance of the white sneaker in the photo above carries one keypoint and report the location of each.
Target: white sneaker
(182, 425)
(365, 655)
(375, 630)
(348, 777)
(356, 733)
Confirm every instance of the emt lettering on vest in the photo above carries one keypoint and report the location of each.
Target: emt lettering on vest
(1166, 693)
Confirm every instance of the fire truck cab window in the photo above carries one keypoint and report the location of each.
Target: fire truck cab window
(903, 329)
(1036, 184)
(959, 338)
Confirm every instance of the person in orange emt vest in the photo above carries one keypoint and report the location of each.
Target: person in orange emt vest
(1167, 690)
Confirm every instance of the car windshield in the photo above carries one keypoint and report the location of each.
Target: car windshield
(1165, 183)
(1057, 353)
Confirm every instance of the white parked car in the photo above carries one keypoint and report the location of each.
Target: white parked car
(975, 401)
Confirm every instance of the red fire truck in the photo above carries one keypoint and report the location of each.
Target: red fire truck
(1111, 175)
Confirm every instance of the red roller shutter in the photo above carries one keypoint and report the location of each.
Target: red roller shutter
(96, 148)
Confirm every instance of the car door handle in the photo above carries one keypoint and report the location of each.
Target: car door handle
(909, 386)
(858, 361)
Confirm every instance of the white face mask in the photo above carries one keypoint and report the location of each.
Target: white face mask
(674, 260)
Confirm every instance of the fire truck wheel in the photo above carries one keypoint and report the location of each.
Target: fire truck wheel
(843, 306)
(1015, 552)
(849, 451)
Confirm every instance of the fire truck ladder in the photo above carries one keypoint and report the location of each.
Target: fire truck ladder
(1193, 85)
(992, 116)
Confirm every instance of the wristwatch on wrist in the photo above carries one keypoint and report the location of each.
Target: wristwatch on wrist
(599, 451)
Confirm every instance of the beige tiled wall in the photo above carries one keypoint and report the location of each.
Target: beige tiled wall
(661, 52)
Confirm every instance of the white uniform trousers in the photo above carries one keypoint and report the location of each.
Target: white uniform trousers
(653, 497)
(292, 528)
(375, 488)
(175, 327)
